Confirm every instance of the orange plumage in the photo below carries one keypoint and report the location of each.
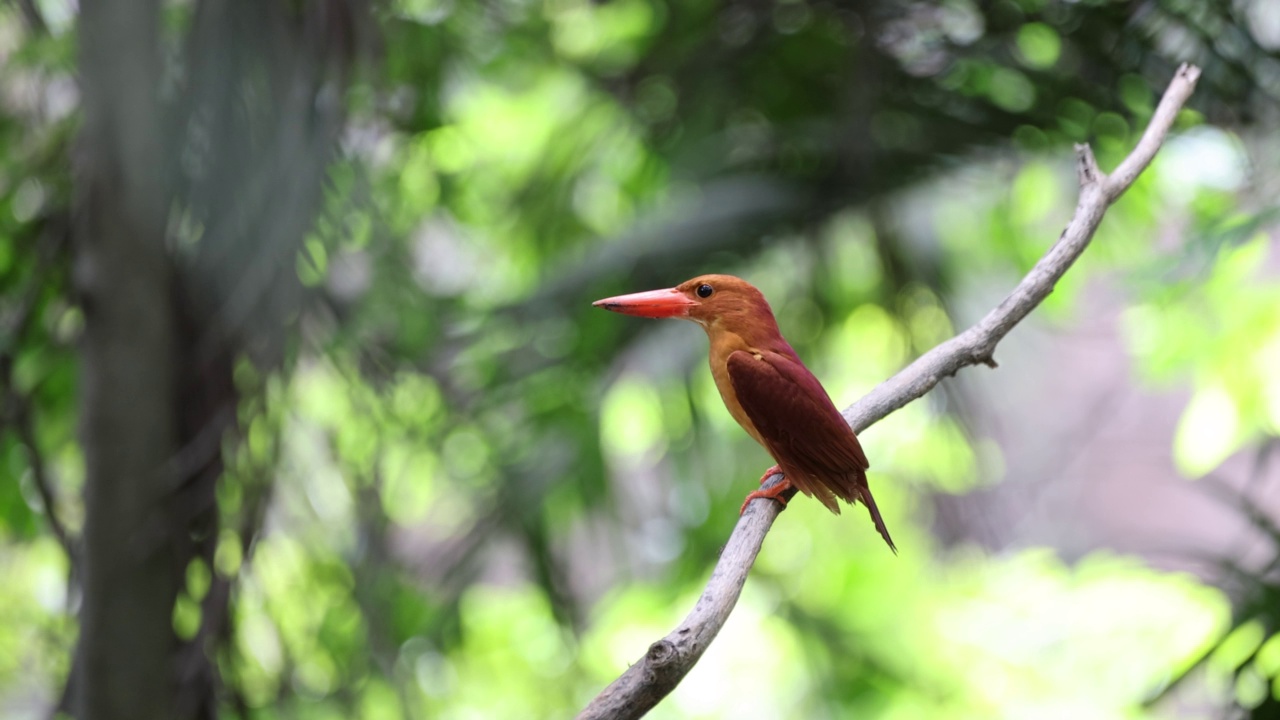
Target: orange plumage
(767, 389)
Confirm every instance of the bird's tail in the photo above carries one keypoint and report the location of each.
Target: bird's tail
(864, 494)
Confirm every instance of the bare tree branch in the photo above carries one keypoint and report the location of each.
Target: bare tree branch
(668, 660)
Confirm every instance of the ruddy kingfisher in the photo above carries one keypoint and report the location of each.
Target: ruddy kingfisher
(768, 390)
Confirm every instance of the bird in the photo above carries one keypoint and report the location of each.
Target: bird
(767, 390)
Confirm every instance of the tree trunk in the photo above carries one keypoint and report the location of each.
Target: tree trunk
(167, 316)
(128, 425)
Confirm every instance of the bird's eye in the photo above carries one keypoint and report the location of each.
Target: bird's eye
(704, 291)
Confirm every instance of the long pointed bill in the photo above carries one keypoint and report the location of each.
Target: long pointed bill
(669, 303)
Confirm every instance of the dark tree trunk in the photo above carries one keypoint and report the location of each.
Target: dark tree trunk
(167, 316)
(128, 427)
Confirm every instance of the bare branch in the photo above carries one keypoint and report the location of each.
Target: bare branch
(1183, 84)
(668, 660)
(978, 343)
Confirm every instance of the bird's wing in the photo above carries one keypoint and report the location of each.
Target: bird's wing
(801, 427)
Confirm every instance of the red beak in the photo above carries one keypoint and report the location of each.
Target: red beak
(667, 303)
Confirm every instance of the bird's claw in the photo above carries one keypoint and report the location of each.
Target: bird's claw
(777, 492)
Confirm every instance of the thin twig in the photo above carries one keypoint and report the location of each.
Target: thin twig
(668, 660)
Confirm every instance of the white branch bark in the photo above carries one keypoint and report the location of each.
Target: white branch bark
(668, 660)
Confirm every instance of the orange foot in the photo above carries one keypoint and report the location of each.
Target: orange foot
(777, 492)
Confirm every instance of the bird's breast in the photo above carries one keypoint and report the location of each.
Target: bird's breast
(720, 372)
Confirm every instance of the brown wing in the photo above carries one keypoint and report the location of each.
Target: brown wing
(802, 429)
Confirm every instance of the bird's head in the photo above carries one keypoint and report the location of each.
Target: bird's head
(713, 301)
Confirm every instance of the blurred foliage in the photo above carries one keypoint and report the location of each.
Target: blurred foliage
(470, 495)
